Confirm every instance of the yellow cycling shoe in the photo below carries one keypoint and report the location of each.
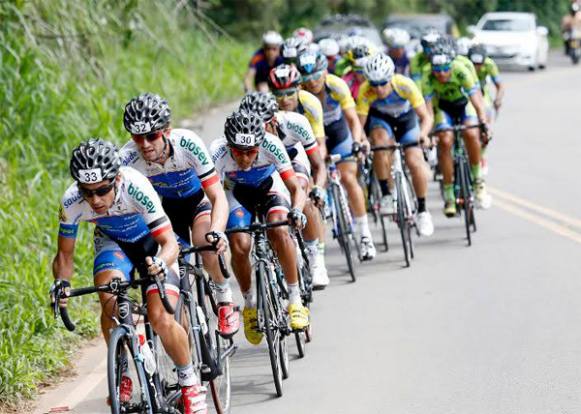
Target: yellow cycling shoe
(299, 317)
(253, 335)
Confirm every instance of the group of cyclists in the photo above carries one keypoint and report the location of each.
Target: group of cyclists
(304, 101)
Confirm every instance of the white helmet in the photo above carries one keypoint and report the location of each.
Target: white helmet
(329, 47)
(272, 38)
(379, 68)
(396, 37)
(304, 34)
(463, 45)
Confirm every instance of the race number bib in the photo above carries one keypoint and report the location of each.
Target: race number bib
(247, 140)
(90, 176)
(140, 127)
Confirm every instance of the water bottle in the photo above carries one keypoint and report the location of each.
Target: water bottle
(148, 358)
(202, 320)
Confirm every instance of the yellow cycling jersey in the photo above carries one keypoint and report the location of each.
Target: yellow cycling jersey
(404, 96)
(337, 100)
(311, 108)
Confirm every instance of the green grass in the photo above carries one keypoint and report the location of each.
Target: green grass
(67, 68)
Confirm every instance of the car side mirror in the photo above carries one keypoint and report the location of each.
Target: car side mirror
(471, 30)
(542, 31)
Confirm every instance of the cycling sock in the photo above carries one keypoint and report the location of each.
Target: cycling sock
(322, 248)
(249, 301)
(449, 192)
(186, 376)
(421, 204)
(475, 171)
(294, 294)
(312, 249)
(223, 292)
(362, 226)
(384, 185)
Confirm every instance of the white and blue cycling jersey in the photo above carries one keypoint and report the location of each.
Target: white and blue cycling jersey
(188, 169)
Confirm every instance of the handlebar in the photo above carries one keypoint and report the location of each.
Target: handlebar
(208, 248)
(258, 227)
(456, 128)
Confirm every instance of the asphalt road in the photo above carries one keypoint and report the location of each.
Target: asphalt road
(494, 328)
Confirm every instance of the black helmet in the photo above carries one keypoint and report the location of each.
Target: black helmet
(477, 54)
(261, 103)
(310, 62)
(244, 130)
(146, 113)
(94, 161)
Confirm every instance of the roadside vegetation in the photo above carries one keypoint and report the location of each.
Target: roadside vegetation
(66, 70)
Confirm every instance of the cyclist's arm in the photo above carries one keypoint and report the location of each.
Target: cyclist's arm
(318, 166)
(354, 124)
(298, 196)
(478, 102)
(217, 197)
(62, 265)
(426, 119)
(249, 79)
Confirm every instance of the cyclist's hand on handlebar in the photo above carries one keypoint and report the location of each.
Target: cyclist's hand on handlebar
(485, 135)
(318, 195)
(297, 218)
(426, 142)
(219, 239)
(156, 267)
(60, 288)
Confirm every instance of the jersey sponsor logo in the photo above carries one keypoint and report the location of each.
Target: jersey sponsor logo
(219, 153)
(141, 198)
(130, 158)
(275, 150)
(297, 129)
(195, 149)
(70, 201)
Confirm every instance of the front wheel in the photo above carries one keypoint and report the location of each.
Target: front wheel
(121, 347)
(344, 235)
(402, 221)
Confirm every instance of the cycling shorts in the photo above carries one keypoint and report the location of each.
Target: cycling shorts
(126, 258)
(448, 115)
(245, 202)
(405, 129)
(183, 211)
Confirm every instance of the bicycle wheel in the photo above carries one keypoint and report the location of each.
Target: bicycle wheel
(375, 193)
(401, 218)
(121, 343)
(269, 325)
(466, 199)
(221, 386)
(187, 317)
(411, 209)
(343, 229)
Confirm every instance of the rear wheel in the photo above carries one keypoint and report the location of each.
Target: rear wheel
(120, 348)
(344, 235)
(465, 196)
(401, 219)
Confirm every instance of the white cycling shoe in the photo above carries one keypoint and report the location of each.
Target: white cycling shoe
(483, 199)
(425, 224)
(367, 249)
(386, 205)
(319, 273)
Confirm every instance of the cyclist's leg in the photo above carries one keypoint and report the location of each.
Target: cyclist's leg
(381, 135)
(491, 115)
(445, 160)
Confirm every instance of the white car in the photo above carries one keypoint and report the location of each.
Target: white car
(513, 39)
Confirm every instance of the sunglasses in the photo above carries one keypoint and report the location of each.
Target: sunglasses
(315, 76)
(239, 152)
(284, 93)
(440, 68)
(99, 192)
(378, 84)
(152, 136)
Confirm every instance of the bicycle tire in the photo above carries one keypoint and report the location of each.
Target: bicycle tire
(118, 341)
(376, 192)
(344, 231)
(401, 219)
(411, 210)
(272, 342)
(185, 315)
(221, 386)
(466, 202)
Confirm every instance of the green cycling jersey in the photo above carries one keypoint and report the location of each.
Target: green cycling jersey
(462, 83)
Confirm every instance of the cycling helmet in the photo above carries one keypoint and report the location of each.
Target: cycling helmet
(309, 62)
(272, 38)
(261, 103)
(477, 54)
(429, 39)
(379, 68)
(284, 77)
(291, 49)
(451, 45)
(396, 37)
(244, 130)
(304, 35)
(441, 55)
(463, 46)
(329, 47)
(146, 113)
(95, 160)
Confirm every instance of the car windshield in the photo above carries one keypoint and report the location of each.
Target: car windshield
(508, 25)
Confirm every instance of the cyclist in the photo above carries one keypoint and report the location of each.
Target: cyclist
(258, 176)
(397, 40)
(267, 57)
(422, 58)
(355, 77)
(180, 169)
(394, 103)
(284, 81)
(342, 128)
(296, 134)
(487, 69)
(132, 232)
(343, 66)
(452, 91)
(330, 48)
